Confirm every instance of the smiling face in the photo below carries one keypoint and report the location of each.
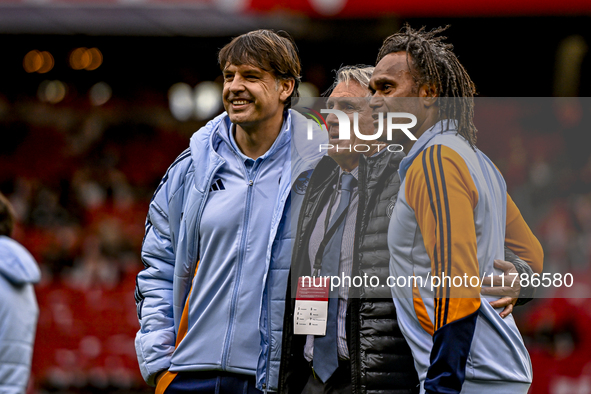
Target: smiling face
(253, 97)
(349, 98)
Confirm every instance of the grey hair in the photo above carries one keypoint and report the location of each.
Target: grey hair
(360, 73)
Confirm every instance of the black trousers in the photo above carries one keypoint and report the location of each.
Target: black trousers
(338, 383)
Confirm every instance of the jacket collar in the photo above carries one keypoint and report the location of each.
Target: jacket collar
(377, 166)
(206, 140)
(445, 126)
(225, 133)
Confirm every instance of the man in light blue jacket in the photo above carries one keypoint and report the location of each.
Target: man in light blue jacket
(18, 309)
(218, 234)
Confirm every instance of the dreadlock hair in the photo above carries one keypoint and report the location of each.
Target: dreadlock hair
(432, 62)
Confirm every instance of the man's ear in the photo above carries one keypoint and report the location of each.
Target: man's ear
(428, 94)
(286, 87)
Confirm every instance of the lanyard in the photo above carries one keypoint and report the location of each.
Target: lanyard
(329, 232)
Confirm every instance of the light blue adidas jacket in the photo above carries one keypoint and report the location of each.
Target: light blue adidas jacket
(18, 315)
(171, 249)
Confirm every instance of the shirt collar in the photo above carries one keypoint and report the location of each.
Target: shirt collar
(353, 172)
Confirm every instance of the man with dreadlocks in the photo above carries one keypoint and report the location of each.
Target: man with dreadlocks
(450, 223)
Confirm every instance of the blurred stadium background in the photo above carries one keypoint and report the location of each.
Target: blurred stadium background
(97, 98)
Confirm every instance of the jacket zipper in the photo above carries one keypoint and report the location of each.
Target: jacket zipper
(238, 271)
(354, 334)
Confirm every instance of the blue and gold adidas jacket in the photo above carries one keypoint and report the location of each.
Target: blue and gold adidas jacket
(170, 253)
(452, 218)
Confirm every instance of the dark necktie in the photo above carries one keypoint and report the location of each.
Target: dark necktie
(326, 359)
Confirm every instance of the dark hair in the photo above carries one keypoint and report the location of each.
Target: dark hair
(6, 216)
(271, 51)
(434, 63)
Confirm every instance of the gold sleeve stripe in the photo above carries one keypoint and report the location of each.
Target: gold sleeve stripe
(448, 232)
(441, 263)
(520, 239)
(443, 195)
(184, 323)
(435, 264)
(421, 311)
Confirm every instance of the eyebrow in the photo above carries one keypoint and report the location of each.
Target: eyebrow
(252, 71)
(380, 81)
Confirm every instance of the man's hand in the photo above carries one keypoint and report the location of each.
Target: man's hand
(510, 293)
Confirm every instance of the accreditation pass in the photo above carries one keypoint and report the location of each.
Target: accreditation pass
(311, 307)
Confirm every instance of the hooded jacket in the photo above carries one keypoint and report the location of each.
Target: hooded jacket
(18, 314)
(170, 252)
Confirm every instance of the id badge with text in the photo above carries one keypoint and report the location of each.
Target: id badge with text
(311, 306)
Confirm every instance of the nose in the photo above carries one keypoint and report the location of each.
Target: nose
(236, 85)
(376, 102)
(332, 120)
